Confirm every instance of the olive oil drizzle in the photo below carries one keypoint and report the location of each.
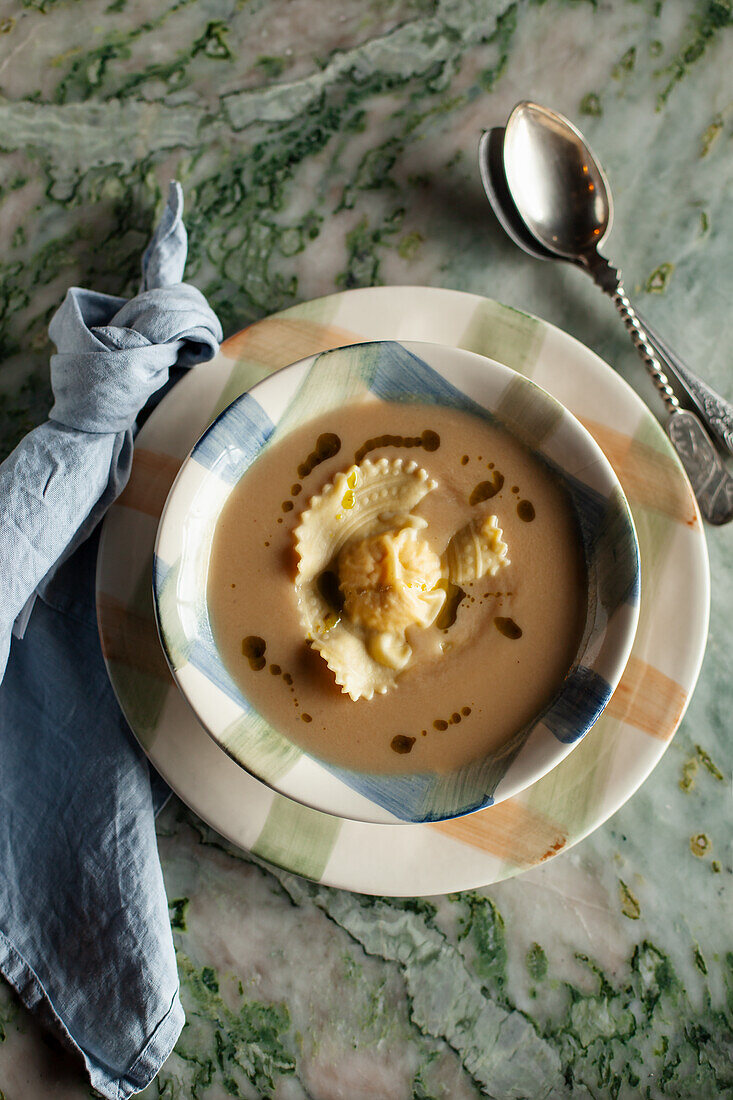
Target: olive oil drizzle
(487, 489)
(454, 594)
(428, 439)
(253, 648)
(401, 743)
(508, 628)
(327, 445)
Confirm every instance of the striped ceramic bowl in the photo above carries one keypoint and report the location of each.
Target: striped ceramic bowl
(394, 372)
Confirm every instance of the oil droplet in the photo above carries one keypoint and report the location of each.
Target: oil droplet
(449, 611)
(295, 489)
(424, 733)
(525, 510)
(253, 648)
(464, 460)
(487, 489)
(491, 465)
(267, 543)
(234, 585)
(465, 711)
(305, 717)
(327, 445)
(287, 678)
(515, 488)
(440, 724)
(275, 670)
(279, 519)
(402, 744)
(455, 718)
(287, 506)
(508, 628)
(347, 501)
(430, 440)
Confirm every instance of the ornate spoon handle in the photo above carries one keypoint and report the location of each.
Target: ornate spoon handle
(711, 482)
(643, 345)
(715, 412)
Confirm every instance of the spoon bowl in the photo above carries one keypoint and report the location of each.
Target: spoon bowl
(491, 167)
(556, 183)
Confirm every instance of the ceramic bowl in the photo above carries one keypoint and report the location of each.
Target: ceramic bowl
(394, 372)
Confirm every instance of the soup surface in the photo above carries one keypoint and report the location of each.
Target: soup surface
(501, 645)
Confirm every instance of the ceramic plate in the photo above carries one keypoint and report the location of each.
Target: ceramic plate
(394, 372)
(556, 811)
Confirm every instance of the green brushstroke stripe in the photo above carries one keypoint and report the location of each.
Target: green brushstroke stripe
(325, 389)
(504, 334)
(297, 838)
(247, 372)
(266, 752)
(528, 412)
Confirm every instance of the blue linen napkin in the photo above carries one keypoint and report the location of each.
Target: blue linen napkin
(84, 932)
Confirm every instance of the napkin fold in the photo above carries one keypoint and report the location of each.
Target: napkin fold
(84, 932)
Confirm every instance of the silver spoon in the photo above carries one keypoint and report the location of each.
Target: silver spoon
(715, 411)
(558, 216)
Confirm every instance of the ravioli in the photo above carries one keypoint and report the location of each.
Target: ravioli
(361, 530)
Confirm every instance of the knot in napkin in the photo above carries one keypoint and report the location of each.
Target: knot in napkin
(103, 373)
(112, 355)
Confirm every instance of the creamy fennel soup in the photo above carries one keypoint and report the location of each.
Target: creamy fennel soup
(398, 588)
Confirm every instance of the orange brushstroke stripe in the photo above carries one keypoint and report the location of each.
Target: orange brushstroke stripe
(151, 477)
(648, 700)
(277, 341)
(647, 476)
(509, 831)
(132, 640)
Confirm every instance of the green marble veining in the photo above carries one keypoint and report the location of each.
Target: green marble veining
(510, 1024)
(327, 146)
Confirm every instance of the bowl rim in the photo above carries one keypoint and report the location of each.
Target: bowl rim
(614, 662)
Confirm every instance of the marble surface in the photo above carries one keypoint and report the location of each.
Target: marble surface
(324, 146)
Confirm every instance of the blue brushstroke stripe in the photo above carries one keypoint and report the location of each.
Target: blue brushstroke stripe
(583, 697)
(399, 376)
(235, 439)
(409, 797)
(205, 657)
